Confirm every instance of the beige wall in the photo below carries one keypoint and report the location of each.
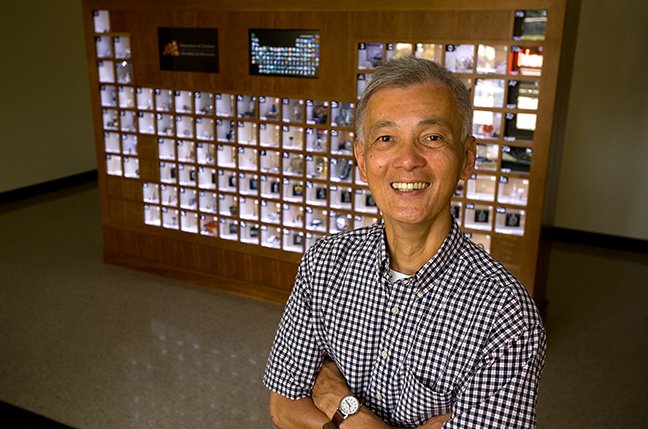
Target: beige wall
(603, 183)
(45, 121)
(46, 127)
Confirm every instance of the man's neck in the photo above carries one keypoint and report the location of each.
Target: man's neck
(411, 246)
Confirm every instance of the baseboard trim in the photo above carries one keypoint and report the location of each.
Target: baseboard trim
(47, 187)
(596, 239)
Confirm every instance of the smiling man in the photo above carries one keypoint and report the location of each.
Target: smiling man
(407, 323)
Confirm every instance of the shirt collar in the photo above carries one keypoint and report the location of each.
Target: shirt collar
(432, 269)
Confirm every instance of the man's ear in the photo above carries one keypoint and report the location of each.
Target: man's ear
(469, 155)
(358, 151)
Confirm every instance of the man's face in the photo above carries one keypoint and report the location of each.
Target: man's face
(413, 155)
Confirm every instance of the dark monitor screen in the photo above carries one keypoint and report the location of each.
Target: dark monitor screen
(292, 53)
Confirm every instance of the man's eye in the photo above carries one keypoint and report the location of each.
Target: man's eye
(434, 140)
(384, 139)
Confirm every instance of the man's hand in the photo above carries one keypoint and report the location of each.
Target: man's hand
(331, 386)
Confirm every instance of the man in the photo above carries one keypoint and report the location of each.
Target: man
(407, 323)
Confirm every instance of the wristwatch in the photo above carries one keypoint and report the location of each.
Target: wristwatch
(349, 405)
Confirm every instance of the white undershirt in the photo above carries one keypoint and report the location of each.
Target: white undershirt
(395, 276)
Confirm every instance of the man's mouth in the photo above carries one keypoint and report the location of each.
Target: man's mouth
(409, 186)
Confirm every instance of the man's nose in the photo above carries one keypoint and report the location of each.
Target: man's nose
(409, 155)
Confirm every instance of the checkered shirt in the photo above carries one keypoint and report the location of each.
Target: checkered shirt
(461, 335)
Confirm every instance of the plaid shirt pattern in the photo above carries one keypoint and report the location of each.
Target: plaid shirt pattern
(461, 335)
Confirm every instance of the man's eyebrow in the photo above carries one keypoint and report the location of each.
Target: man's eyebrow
(382, 124)
(433, 121)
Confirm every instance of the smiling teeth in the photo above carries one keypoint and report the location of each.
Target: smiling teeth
(409, 187)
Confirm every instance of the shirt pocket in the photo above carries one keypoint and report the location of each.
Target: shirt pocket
(418, 403)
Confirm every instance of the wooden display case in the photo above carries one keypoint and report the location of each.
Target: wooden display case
(224, 177)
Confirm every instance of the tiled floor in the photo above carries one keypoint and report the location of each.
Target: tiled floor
(99, 346)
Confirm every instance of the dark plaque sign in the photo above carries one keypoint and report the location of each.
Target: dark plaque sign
(188, 49)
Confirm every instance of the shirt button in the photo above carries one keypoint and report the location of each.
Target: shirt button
(384, 354)
(420, 294)
(379, 396)
(395, 310)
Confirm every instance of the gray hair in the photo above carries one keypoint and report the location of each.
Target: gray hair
(407, 71)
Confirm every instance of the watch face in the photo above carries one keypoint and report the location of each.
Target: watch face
(349, 405)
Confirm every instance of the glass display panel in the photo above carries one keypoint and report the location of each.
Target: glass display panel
(481, 187)
(101, 21)
(316, 194)
(128, 121)
(110, 119)
(342, 114)
(228, 205)
(316, 219)
(460, 58)
(341, 170)
(293, 190)
(293, 241)
(163, 100)
(245, 106)
(270, 237)
(169, 195)
(293, 137)
(209, 225)
(124, 72)
(489, 93)
(186, 175)
(510, 221)
(228, 229)
(146, 122)
(523, 95)
(247, 158)
(492, 59)
(293, 215)
(316, 140)
(340, 222)
(270, 187)
(520, 126)
(270, 212)
(188, 199)
(364, 201)
(486, 157)
(183, 102)
(166, 149)
(516, 159)
(152, 215)
(316, 167)
(292, 110)
(224, 105)
(269, 108)
(126, 97)
(291, 53)
(270, 161)
(186, 150)
(341, 197)
(204, 103)
(170, 218)
(456, 210)
(164, 124)
(106, 71)
(360, 221)
(224, 130)
(370, 55)
(108, 96)
(269, 135)
(111, 142)
(530, 24)
(227, 181)
(208, 202)
(250, 233)
(486, 124)
(226, 156)
(122, 47)
(429, 51)
(526, 61)
(513, 190)
(248, 184)
(293, 164)
(341, 142)
(317, 112)
(206, 178)
(247, 134)
(129, 144)
(144, 98)
(114, 165)
(103, 47)
(205, 128)
(150, 193)
(478, 216)
(362, 82)
(249, 208)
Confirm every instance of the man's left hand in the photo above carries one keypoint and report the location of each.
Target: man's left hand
(329, 388)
